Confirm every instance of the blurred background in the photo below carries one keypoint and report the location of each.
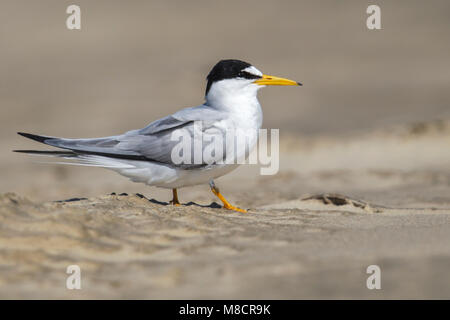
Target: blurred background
(133, 63)
(372, 122)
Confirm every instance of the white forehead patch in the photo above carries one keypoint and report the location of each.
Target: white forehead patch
(253, 71)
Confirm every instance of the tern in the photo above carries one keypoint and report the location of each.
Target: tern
(146, 155)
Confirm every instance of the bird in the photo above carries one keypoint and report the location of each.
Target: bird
(146, 155)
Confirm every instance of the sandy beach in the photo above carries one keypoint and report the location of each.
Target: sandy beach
(364, 173)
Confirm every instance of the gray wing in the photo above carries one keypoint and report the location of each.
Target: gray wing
(201, 113)
(154, 142)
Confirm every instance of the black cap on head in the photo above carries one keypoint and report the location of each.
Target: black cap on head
(229, 69)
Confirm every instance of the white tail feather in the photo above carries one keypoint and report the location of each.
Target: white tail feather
(94, 161)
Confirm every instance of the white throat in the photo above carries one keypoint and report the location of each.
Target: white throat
(238, 97)
(231, 93)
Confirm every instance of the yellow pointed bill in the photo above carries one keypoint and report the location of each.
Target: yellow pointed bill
(267, 80)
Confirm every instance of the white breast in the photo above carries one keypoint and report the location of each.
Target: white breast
(237, 101)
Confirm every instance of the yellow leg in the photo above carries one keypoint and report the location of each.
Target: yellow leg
(226, 204)
(175, 201)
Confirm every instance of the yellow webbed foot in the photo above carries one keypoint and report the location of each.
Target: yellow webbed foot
(231, 207)
(226, 204)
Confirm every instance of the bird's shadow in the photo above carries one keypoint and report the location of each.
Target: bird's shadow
(213, 205)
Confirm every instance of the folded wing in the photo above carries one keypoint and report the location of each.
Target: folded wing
(154, 143)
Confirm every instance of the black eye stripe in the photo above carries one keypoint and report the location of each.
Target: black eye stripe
(248, 75)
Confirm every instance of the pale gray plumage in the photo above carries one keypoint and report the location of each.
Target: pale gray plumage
(153, 142)
(145, 155)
